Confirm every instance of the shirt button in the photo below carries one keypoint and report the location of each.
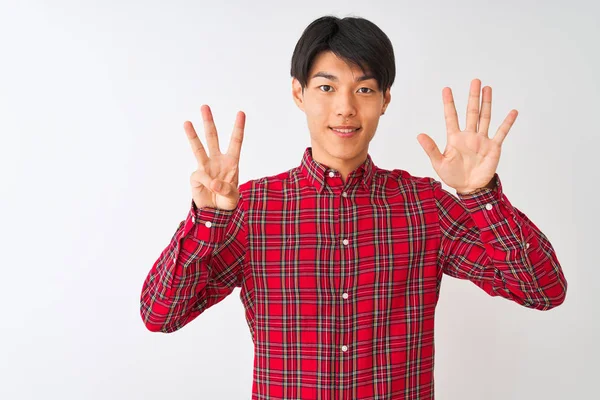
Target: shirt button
(344, 348)
(488, 206)
(344, 194)
(331, 174)
(345, 241)
(208, 224)
(345, 295)
(527, 245)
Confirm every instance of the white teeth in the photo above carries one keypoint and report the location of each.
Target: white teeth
(344, 130)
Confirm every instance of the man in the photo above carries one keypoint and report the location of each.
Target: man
(339, 261)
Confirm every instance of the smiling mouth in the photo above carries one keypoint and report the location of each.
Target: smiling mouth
(345, 132)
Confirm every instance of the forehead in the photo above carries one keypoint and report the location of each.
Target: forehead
(328, 63)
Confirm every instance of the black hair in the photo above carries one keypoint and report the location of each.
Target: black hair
(356, 40)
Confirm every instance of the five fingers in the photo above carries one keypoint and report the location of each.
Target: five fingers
(478, 119)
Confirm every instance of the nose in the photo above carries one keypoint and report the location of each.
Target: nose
(345, 107)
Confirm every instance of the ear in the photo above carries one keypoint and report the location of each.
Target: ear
(387, 97)
(297, 94)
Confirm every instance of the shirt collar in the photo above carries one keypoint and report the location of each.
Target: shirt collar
(317, 173)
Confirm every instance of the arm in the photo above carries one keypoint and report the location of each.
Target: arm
(491, 243)
(200, 267)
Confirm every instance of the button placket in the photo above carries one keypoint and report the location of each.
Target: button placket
(345, 308)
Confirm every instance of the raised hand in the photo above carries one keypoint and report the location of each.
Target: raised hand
(470, 158)
(215, 182)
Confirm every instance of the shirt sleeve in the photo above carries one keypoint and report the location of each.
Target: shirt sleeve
(491, 243)
(201, 265)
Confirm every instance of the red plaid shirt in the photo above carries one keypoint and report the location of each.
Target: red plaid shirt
(340, 280)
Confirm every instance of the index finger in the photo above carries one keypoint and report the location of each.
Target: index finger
(195, 142)
(450, 111)
(237, 137)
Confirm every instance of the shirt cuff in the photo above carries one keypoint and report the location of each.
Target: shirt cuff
(483, 195)
(206, 223)
(488, 208)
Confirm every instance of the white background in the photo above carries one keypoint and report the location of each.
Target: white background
(95, 167)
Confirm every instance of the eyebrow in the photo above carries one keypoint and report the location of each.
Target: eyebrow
(335, 79)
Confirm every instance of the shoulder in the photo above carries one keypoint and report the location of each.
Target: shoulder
(272, 182)
(405, 180)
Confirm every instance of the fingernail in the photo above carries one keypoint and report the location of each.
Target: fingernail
(218, 186)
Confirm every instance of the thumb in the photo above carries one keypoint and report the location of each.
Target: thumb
(225, 189)
(430, 148)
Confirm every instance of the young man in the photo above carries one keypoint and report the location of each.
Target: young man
(339, 261)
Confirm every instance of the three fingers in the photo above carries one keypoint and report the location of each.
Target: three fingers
(212, 138)
(200, 178)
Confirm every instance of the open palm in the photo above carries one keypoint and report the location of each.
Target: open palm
(470, 158)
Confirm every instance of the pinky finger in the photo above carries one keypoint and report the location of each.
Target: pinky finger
(505, 127)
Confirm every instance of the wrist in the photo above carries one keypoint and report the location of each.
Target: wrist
(490, 185)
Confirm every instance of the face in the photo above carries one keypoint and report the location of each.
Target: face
(340, 98)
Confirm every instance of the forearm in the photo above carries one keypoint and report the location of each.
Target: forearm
(491, 243)
(177, 288)
(525, 263)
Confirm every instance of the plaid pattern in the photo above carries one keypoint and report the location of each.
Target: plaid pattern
(340, 281)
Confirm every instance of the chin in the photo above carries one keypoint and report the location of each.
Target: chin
(343, 152)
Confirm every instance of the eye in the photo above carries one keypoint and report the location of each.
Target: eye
(369, 90)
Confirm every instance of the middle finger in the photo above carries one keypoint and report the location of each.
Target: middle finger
(473, 106)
